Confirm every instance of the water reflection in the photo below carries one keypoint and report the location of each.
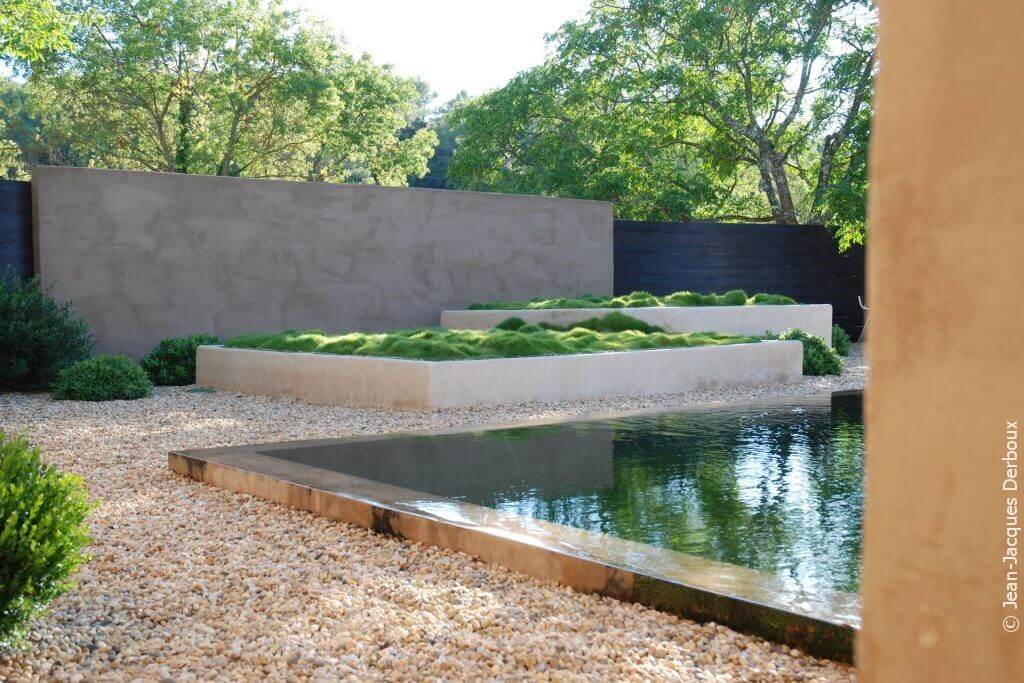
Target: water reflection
(774, 488)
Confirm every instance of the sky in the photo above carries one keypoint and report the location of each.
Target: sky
(472, 45)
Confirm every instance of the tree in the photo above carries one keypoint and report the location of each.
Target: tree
(31, 28)
(443, 126)
(550, 132)
(35, 126)
(755, 109)
(231, 87)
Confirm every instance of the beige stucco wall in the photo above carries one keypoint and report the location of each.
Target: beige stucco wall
(420, 385)
(752, 320)
(151, 255)
(946, 341)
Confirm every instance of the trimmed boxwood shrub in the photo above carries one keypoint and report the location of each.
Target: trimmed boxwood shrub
(38, 336)
(173, 361)
(42, 534)
(819, 358)
(103, 378)
(840, 341)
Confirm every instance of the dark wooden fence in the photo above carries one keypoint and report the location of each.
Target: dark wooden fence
(16, 227)
(797, 260)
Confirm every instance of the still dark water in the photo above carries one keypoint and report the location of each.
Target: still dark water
(775, 487)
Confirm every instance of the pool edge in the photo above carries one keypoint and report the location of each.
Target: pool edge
(583, 573)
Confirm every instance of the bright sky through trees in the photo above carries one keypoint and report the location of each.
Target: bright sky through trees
(472, 45)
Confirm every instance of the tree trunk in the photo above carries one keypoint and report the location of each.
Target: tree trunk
(183, 150)
(787, 211)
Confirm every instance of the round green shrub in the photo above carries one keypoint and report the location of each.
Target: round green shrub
(42, 534)
(103, 378)
(840, 341)
(819, 358)
(173, 361)
(511, 324)
(736, 297)
(38, 336)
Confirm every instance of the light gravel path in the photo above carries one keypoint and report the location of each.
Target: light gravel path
(191, 582)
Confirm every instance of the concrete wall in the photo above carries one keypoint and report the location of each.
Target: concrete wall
(151, 255)
(424, 385)
(945, 344)
(752, 320)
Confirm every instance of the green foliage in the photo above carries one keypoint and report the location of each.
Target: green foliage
(840, 341)
(772, 299)
(226, 87)
(511, 324)
(103, 378)
(691, 299)
(173, 361)
(447, 140)
(615, 332)
(679, 109)
(42, 534)
(38, 336)
(819, 358)
(29, 29)
(612, 322)
(736, 297)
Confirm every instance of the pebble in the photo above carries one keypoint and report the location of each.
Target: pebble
(191, 582)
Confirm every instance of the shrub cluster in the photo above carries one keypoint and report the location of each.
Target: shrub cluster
(103, 378)
(819, 358)
(612, 322)
(511, 338)
(42, 534)
(840, 341)
(173, 361)
(640, 299)
(43, 344)
(38, 336)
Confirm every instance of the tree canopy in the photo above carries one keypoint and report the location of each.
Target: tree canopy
(222, 87)
(31, 28)
(683, 109)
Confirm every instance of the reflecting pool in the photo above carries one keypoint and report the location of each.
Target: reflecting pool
(775, 487)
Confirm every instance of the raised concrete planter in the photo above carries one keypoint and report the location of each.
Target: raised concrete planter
(812, 318)
(415, 384)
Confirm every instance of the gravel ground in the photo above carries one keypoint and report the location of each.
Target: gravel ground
(191, 582)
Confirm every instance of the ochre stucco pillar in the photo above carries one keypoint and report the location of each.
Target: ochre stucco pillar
(946, 342)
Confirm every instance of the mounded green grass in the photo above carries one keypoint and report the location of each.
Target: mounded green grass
(511, 339)
(736, 297)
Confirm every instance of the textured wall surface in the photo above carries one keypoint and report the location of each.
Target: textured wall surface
(944, 343)
(150, 255)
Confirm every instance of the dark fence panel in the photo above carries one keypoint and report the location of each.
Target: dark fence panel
(16, 227)
(797, 260)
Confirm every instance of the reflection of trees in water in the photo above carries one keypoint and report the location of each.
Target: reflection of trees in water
(779, 490)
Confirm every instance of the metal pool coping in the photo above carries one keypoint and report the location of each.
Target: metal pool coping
(747, 600)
